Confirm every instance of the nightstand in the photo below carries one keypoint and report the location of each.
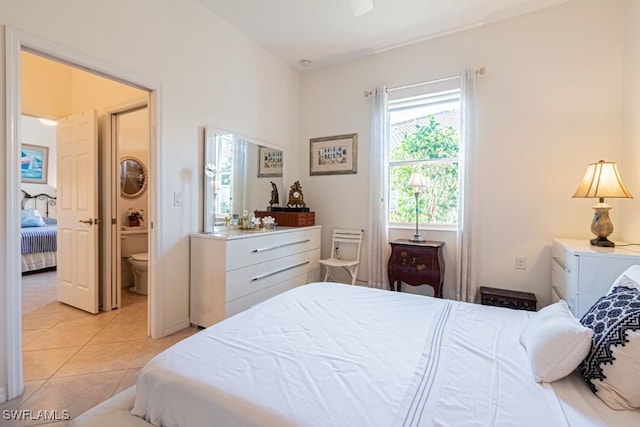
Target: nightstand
(416, 263)
(506, 298)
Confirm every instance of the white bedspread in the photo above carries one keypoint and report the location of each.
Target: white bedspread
(328, 354)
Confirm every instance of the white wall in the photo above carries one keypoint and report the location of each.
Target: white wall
(209, 75)
(550, 102)
(631, 115)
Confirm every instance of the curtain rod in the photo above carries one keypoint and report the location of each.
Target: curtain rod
(479, 71)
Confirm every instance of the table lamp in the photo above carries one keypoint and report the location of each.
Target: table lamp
(602, 180)
(417, 181)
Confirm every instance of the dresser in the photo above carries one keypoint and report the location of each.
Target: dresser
(234, 270)
(581, 273)
(416, 263)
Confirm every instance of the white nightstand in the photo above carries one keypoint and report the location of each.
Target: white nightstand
(581, 273)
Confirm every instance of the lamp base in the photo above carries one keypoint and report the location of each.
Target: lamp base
(602, 242)
(602, 226)
(417, 238)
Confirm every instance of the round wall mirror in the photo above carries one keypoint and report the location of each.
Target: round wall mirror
(133, 177)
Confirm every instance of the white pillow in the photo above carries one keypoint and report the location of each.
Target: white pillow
(555, 341)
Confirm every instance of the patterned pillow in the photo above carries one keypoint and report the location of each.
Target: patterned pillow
(612, 367)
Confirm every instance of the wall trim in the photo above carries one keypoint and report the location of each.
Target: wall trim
(16, 41)
(12, 270)
(3, 394)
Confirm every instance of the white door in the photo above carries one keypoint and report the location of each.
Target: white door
(77, 209)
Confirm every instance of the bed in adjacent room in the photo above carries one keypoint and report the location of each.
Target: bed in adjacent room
(327, 354)
(38, 232)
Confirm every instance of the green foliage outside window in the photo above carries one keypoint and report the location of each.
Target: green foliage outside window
(433, 151)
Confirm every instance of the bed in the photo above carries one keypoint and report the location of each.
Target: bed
(327, 354)
(38, 232)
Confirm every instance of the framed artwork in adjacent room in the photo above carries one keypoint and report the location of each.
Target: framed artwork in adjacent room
(34, 161)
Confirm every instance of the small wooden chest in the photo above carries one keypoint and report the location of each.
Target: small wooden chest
(290, 219)
(506, 298)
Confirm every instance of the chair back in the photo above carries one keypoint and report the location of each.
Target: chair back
(343, 236)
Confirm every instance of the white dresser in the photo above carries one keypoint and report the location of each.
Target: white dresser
(234, 270)
(581, 273)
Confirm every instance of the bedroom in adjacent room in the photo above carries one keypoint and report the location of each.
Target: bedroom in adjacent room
(53, 95)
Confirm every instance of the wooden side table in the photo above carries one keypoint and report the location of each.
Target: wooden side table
(416, 263)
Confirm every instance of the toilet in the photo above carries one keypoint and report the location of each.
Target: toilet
(139, 263)
(135, 256)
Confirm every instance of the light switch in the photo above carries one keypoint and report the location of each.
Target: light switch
(177, 198)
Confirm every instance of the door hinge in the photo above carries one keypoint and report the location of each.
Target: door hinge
(113, 221)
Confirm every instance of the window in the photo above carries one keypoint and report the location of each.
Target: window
(424, 137)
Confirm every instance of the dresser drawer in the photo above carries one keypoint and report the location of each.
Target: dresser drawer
(241, 304)
(255, 250)
(254, 278)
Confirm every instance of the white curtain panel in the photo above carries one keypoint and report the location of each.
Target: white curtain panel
(378, 236)
(239, 176)
(466, 248)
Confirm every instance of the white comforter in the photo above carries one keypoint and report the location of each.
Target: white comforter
(328, 354)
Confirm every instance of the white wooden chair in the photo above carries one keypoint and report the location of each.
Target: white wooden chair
(339, 241)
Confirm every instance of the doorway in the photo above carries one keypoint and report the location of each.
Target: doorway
(16, 42)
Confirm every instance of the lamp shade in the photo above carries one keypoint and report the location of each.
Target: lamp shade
(602, 180)
(417, 180)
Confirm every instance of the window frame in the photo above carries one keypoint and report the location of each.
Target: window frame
(416, 99)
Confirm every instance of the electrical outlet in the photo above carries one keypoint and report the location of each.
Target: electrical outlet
(521, 263)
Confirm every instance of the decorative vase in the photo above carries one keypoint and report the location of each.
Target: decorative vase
(134, 221)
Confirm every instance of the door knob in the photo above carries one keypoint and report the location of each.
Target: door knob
(87, 221)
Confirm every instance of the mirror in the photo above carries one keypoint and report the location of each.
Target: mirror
(133, 177)
(239, 174)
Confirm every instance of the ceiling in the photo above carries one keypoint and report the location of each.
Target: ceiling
(327, 32)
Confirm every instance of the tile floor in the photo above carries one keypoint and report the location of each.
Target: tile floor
(74, 360)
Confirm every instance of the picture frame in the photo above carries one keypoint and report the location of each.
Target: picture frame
(34, 165)
(269, 162)
(333, 155)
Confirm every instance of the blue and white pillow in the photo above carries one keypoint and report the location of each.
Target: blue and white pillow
(31, 218)
(612, 367)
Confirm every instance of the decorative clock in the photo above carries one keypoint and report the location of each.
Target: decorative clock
(296, 198)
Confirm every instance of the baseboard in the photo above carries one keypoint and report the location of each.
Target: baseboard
(3, 394)
(176, 326)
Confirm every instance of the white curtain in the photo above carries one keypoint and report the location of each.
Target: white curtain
(466, 280)
(378, 236)
(239, 176)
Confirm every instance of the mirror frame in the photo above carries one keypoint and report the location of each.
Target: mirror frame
(145, 172)
(210, 135)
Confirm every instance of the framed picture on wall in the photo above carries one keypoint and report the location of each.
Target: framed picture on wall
(269, 162)
(334, 155)
(34, 161)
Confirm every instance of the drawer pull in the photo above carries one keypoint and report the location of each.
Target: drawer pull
(561, 264)
(280, 246)
(264, 276)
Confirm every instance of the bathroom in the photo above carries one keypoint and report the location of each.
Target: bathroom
(133, 202)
